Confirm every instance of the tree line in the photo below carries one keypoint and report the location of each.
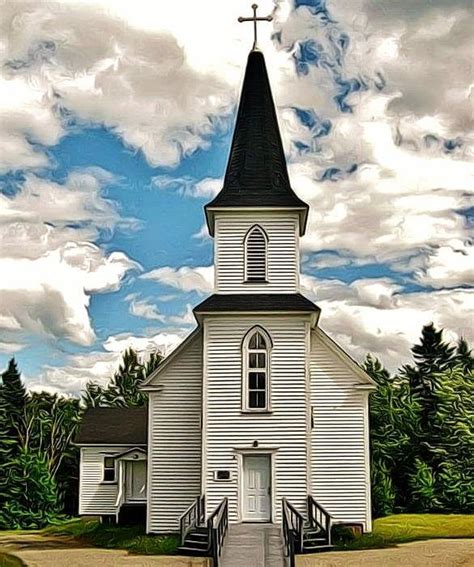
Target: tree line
(39, 464)
(421, 424)
(422, 430)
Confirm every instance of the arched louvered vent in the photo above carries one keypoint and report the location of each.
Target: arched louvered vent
(256, 255)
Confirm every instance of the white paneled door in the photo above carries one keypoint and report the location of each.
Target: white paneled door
(136, 480)
(257, 489)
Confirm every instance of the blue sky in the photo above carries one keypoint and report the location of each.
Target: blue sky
(114, 140)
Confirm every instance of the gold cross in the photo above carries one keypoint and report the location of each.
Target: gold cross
(254, 19)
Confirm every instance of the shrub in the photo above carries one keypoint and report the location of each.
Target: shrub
(383, 491)
(422, 484)
(32, 493)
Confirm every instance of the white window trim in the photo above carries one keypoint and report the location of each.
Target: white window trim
(245, 371)
(265, 235)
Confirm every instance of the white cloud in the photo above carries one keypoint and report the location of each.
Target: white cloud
(186, 318)
(51, 268)
(448, 266)
(99, 366)
(374, 316)
(188, 186)
(89, 61)
(143, 308)
(51, 294)
(200, 279)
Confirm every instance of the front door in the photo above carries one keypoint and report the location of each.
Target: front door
(135, 480)
(257, 489)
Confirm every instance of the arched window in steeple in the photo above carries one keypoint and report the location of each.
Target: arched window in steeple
(256, 370)
(256, 244)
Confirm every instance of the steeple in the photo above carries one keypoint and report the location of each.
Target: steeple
(256, 174)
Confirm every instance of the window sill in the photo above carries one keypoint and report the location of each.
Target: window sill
(257, 411)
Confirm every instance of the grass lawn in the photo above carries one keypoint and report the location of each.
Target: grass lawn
(130, 538)
(403, 528)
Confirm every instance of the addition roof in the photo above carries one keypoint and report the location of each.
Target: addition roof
(113, 426)
(251, 302)
(256, 174)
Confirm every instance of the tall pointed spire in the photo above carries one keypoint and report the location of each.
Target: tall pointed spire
(256, 174)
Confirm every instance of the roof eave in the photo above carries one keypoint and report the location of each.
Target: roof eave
(211, 209)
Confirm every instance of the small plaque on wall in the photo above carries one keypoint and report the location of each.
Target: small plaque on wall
(222, 475)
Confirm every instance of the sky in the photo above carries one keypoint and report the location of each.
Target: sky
(115, 124)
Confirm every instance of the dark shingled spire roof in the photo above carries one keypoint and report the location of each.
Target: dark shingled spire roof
(256, 173)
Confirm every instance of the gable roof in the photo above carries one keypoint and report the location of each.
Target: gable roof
(164, 364)
(113, 426)
(256, 174)
(242, 302)
(346, 359)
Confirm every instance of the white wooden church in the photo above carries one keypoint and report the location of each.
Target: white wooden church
(258, 408)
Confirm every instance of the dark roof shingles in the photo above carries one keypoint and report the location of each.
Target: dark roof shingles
(256, 302)
(256, 172)
(118, 426)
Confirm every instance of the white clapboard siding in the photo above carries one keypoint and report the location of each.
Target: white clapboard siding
(174, 441)
(228, 430)
(281, 229)
(96, 497)
(339, 461)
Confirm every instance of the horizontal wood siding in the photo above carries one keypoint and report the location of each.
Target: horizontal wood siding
(338, 441)
(96, 498)
(228, 430)
(283, 256)
(175, 439)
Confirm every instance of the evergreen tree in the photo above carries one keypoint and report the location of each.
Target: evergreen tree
(14, 399)
(13, 391)
(463, 355)
(123, 390)
(431, 355)
(394, 426)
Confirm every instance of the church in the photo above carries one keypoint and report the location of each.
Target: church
(258, 415)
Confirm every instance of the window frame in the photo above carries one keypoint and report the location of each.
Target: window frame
(248, 280)
(106, 469)
(246, 369)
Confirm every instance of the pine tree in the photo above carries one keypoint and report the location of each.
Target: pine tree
(14, 396)
(123, 390)
(463, 355)
(431, 355)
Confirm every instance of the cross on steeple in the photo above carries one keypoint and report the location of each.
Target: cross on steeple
(255, 19)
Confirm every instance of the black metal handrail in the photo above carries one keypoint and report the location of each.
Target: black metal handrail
(191, 517)
(292, 531)
(319, 517)
(217, 526)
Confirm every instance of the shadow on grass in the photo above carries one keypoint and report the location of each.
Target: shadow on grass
(130, 538)
(7, 560)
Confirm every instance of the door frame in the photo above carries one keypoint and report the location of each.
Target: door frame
(129, 465)
(241, 454)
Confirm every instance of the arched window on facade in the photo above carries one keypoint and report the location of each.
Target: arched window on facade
(256, 365)
(256, 243)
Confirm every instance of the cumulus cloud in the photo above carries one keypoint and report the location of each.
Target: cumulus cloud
(143, 308)
(60, 57)
(52, 267)
(199, 279)
(374, 315)
(188, 186)
(100, 366)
